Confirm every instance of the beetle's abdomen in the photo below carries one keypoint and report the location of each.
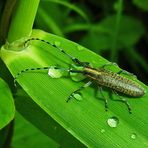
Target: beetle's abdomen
(121, 84)
(116, 82)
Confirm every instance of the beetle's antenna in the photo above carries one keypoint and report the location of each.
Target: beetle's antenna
(75, 60)
(27, 69)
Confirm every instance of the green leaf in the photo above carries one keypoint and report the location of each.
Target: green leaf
(39, 118)
(26, 135)
(7, 109)
(70, 6)
(143, 4)
(86, 120)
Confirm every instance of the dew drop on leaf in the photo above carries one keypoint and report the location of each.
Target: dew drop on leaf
(78, 96)
(113, 122)
(54, 72)
(80, 48)
(57, 43)
(102, 130)
(133, 136)
(77, 76)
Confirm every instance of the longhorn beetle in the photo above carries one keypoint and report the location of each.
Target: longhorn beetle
(101, 76)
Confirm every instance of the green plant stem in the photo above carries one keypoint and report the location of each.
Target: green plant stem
(113, 57)
(23, 19)
(5, 20)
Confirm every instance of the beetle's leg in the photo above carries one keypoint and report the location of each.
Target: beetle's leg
(78, 90)
(127, 73)
(109, 64)
(104, 98)
(121, 71)
(123, 100)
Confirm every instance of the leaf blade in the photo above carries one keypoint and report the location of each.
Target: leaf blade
(7, 109)
(77, 117)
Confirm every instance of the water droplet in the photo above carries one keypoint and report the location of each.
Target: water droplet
(78, 96)
(113, 122)
(57, 43)
(54, 72)
(133, 136)
(77, 76)
(80, 48)
(102, 130)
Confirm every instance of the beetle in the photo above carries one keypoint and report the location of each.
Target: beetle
(101, 76)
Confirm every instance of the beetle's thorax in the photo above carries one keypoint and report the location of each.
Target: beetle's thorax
(92, 72)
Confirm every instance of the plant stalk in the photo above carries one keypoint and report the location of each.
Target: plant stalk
(22, 19)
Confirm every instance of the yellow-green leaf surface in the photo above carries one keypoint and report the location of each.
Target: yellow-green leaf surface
(87, 119)
(7, 109)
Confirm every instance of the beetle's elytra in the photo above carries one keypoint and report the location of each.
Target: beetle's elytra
(115, 81)
(100, 76)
